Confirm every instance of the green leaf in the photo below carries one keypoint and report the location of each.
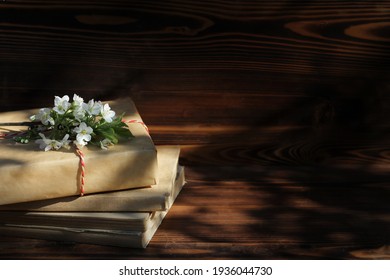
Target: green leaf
(110, 134)
(123, 132)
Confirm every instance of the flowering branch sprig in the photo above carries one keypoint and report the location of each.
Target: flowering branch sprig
(75, 122)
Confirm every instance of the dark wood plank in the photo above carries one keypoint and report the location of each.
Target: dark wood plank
(106, 48)
(281, 109)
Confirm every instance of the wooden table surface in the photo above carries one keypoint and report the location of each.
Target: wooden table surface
(281, 109)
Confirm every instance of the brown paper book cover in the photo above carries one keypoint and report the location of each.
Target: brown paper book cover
(153, 198)
(29, 174)
(96, 220)
(131, 229)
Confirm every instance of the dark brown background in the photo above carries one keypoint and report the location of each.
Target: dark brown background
(281, 109)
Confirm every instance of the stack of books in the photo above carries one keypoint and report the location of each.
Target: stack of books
(125, 217)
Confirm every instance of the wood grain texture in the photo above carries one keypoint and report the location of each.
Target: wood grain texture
(281, 109)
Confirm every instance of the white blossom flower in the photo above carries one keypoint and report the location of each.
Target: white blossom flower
(83, 134)
(65, 142)
(93, 108)
(105, 143)
(78, 108)
(107, 113)
(43, 116)
(48, 144)
(77, 100)
(61, 104)
(79, 113)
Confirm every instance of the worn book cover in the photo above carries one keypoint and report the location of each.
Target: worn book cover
(124, 229)
(152, 198)
(29, 174)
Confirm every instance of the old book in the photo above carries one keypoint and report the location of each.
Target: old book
(123, 229)
(29, 174)
(153, 198)
(130, 239)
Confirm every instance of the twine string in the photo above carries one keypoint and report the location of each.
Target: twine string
(82, 167)
(11, 134)
(140, 122)
(82, 157)
(79, 152)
